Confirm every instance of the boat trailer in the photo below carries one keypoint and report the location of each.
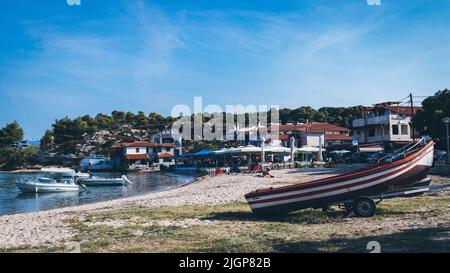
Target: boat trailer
(365, 206)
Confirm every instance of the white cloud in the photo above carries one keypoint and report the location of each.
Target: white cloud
(106, 63)
(144, 58)
(73, 2)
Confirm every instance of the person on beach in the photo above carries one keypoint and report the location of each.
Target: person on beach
(266, 173)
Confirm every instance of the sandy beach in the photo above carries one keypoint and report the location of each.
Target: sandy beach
(51, 228)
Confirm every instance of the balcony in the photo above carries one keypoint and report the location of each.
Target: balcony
(359, 123)
(378, 138)
(371, 121)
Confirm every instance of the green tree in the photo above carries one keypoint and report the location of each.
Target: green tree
(14, 157)
(141, 121)
(91, 123)
(429, 119)
(68, 130)
(130, 118)
(47, 141)
(10, 134)
(118, 116)
(104, 122)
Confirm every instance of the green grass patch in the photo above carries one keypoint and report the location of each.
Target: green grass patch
(400, 225)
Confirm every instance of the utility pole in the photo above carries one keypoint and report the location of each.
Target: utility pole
(446, 121)
(412, 115)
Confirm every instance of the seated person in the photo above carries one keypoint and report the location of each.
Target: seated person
(266, 173)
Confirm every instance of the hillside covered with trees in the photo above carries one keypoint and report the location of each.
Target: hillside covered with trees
(86, 134)
(11, 157)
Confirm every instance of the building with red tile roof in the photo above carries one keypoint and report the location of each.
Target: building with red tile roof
(308, 134)
(141, 144)
(387, 122)
(142, 154)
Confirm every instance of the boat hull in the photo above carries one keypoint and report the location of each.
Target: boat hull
(36, 187)
(102, 182)
(367, 182)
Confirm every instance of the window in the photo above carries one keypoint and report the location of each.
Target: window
(404, 129)
(137, 150)
(167, 149)
(395, 129)
(378, 132)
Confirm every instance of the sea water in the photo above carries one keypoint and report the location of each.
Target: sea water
(12, 200)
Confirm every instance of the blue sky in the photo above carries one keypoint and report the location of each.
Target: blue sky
(58, 60)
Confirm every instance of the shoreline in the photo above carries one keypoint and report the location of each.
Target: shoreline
(21, 171)
(26, 171)
(193, 178)
(50, 227)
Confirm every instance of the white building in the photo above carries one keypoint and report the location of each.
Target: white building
(312, 134)
(165, 137)
(384, 122)
(142, 154)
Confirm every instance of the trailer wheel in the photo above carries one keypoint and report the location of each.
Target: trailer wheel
(364, 207)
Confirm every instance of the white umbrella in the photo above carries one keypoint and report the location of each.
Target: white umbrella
(320, 149)
(340, 152)
(277, 149)
(263, 140)
(292, 149)
(251, 149)
(309, 149)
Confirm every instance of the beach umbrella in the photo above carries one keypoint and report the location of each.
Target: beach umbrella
(250, 149)
(292, 149)
(263, 140)
(320, 149)
(222, 151)
(309, 149)
(340, 152)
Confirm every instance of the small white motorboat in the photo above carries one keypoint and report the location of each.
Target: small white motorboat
(46, 185)
(100, 181)
(67, 172)
(56, 180)
(82, 175)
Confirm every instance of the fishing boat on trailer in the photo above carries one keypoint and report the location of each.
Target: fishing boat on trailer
(401, 174)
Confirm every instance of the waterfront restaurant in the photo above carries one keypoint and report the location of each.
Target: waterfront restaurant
(245, 158)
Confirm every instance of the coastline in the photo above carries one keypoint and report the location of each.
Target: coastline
(21, 171)
(179, 180)
(53, 227)
(49, 227)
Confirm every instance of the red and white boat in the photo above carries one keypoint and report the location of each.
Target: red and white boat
(356, 190)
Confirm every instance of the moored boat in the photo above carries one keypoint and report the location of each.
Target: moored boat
(68, 172)
(47, 185)
(65, 172)
(100, 181)
(55, 180)
(403, 168)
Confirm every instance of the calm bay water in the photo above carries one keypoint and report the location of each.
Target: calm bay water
(12, 200)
